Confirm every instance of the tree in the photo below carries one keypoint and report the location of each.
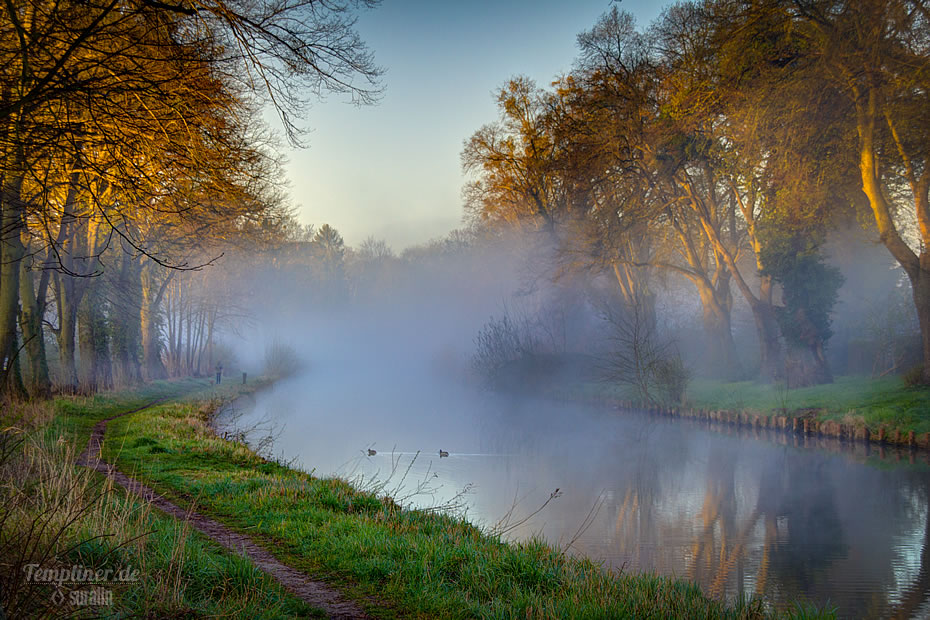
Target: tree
(328, 252)
(655, 153)
(132, 100)
(329, 245)
(876, 56)
(373, 249)
(809, 292)
(514, 161)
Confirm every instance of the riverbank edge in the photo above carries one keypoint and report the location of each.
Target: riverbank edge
(216, 402)
(800, 423)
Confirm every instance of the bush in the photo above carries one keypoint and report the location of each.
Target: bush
(671, 379)
(281, 360)
(914, 377)
(641, 357)
(500, 342)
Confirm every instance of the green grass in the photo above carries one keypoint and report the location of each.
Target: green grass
(885, 401)
(76, 415)
(409, 563)
(181, 572)
(56, 514)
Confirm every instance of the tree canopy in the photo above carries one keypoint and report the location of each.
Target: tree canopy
(682, 147)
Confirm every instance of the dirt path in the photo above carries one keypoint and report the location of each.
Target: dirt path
(315, 593)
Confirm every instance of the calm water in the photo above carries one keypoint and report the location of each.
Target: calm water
(738, 514)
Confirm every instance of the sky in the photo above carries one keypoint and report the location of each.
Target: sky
(393, 170)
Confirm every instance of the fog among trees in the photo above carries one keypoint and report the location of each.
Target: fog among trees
(763, 166)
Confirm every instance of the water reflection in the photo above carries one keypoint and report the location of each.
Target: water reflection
(739, 515)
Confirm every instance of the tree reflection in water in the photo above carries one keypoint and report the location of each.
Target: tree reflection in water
(776, 515)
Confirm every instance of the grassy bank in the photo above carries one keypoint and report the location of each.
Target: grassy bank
(55, 515)
(875, 403)
(404, 563)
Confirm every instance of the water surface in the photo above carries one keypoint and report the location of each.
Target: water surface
(737, 514)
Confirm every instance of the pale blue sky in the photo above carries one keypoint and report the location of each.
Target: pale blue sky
(393, 170)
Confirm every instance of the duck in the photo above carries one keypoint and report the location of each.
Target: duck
(443, 453)
(372, 452)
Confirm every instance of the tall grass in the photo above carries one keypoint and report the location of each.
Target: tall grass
(55, 514)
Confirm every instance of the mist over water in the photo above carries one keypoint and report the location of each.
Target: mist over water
(388, 369)
(739, 515)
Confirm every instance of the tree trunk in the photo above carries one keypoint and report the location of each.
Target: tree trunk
(921, 290)
(87, 340)
(67, 330)
(722, 361)
(189, 353)
(633, 282)
(152, 365)
(13, 386)
(824, 374)
(39, 385)
(916, 267)
(807, 363)
(12, 251)
(68, 289)
(127, 326)
(96, 306)
(772, 363)
(210, 326)
(67, 327)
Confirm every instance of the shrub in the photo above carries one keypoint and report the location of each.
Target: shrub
(641, 357)
(914, 377)
(281, 360)
(500, 342)
(671, 377)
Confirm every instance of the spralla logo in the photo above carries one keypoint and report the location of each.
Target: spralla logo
(91, 597)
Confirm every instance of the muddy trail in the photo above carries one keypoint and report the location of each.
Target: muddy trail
(312, 592)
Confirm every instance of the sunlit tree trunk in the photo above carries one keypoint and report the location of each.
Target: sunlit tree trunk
(635, 291)
(713, 287)
(916, 266)
(716, 306)
(152, 365)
